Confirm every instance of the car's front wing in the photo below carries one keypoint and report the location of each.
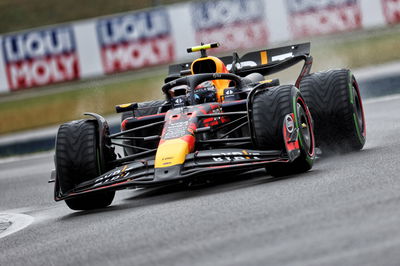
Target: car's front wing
(142, 173)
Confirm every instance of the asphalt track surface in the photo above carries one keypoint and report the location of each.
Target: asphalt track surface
(346, 211)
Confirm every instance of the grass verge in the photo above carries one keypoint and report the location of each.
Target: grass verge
(49, 109)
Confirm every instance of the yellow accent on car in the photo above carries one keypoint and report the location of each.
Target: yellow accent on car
(265, 81)
(264, 57)
(203, 47)
(211, 64)
(124, 105)
(171, 152)
(245, 153)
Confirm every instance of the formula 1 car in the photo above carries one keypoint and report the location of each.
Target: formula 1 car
(220, 115)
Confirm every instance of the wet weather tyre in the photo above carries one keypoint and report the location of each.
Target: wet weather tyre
(77, 160)
(334, 100)
(269, 109)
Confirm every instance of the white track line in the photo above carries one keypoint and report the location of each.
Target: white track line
(17, 222)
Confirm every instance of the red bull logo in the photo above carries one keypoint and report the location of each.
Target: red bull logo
(135, 40)
(40, 57)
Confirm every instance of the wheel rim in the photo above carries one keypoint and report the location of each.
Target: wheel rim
(304, 127)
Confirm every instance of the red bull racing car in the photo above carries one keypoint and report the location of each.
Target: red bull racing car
(219, 115)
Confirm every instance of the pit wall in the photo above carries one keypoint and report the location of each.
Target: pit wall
(144, 38)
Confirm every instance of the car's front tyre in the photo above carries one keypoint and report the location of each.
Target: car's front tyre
(269, 109)
(77, 160)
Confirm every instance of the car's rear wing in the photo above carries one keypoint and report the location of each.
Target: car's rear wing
(265, 62)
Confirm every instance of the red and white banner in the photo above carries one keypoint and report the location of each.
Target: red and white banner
(234, 23)
(391, 10)
(135, 40)
(315, 17)
(160, 36)
(40, 57)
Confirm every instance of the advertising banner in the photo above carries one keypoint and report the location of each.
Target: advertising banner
(391, 10)
(40, 57)
(135, 40)
(159, 36)
(317, 17)
(234, 23)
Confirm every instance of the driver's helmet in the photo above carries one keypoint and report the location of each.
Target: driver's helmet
(205, 92)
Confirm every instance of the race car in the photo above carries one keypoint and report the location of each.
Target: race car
(219, 115)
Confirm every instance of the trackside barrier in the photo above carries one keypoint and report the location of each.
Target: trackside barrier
(37, 140)
(139, 39)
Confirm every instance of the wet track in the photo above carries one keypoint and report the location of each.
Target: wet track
(346, 211)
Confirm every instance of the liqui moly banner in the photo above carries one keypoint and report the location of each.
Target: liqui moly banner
(40, 57)
(135, 40)
(234, 23)
(391, 9)
(316, 17)
(152, 37)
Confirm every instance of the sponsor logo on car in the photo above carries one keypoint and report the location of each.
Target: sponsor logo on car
(239, 23)
(40, 57)
(391, 10)
(314, 17)
(135, 40)
(234, 156)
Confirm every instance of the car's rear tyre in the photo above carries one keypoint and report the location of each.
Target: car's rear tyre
(77, 160)
(269, 110)
(334, 100)
(144, 108)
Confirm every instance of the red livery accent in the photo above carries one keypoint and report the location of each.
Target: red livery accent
(290, 146)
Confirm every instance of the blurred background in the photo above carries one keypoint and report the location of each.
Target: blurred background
(16, 15)
(59, 59)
